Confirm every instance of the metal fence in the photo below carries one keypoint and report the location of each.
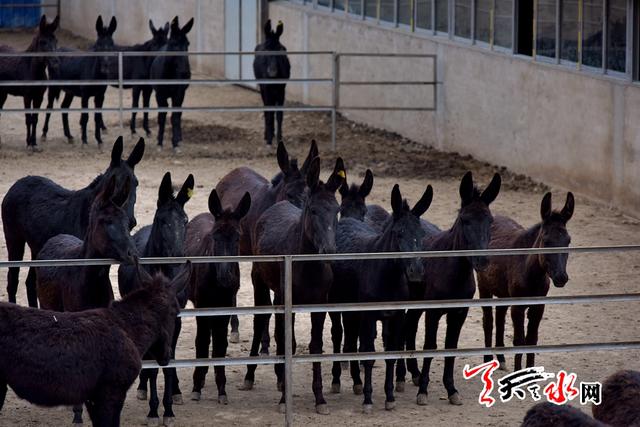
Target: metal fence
(121, 83)
(288, 308)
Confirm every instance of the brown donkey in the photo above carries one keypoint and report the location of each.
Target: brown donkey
(524, 275)
(91, 357)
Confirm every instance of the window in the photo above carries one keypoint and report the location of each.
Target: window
(423, 14)
(503, 24)
(569, 30)
(463, 18)
(355, 7)
(371, 9)
(617, 35)
(404, 12)
(338, 4)
(546, 28)
(524, 41)
(325, 3)
(442, 15)
(483, 20)
(387, 10)
(592, 33)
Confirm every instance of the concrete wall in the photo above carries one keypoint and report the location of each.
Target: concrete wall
(560, 126)
(78, 16)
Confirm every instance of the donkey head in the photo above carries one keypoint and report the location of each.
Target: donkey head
(108, 233)
(225, 237)
(320, 210)
(291, 179)
(178, 42)
(46, 41)
(276, 65)
(475, 218)
(353, 198)
(160, 293)
(170, 221)
(160, 36)
(553, 233)
(107, 65)
(123, 170)
(407, 232)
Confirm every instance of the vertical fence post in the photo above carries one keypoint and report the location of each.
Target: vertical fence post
(288, 340)
(120, 91)
(335, 96)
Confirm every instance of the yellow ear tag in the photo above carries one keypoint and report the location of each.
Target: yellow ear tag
(189, 192)
(280, 23)
(342, 174)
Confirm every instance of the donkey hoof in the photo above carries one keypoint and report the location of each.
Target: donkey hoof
(416, 381)
(390, 406)
(400, 386)
(421, 399)
(196, 395)
(153, 421)
(455, 399)
(335, 388)
(282, 407)
(357, 389)
(322, 409)
(177, 399)
(344, 365)
(223, 399)
(169, 421)
(246, 385)
(234, 337)
(141, 394)
(367, 409)
(279, 386)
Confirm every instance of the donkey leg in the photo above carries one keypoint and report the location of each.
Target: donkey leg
(203, 340)
(162, 101)
(501, 314)
(32, 290)
(395, 339)
(268, 127)
(15, 249)
(84, 118)
(410, 332)
(220, 344)
(37, 102)
(146, 97)
(176, 118)
(176, 394)
(315, 347)
(535, 317)
(431, 320)
(455, 320)
(98, 101)
(135, 103)
(280, 114)
(336, 339)
(279, 368)
(487, 325)
(367, 337)
(234, 335)
(517, 317)
(153, 419)
(77, 414)
(260, 297)
(66, 102)
(351, 330)
(141, 392)
(168, 416)
(27, 119)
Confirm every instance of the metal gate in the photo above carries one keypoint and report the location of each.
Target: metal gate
(240, 34)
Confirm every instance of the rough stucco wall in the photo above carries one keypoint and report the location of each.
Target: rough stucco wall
(566, 128)
(78, 16)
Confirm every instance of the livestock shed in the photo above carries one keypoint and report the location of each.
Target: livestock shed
(548, 88)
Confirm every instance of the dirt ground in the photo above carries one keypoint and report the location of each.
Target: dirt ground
(216, 143)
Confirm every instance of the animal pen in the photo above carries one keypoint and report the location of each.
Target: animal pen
(288, 309)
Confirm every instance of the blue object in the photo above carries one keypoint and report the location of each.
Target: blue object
(19, 17)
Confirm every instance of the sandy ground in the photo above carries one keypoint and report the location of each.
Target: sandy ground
(216, 143)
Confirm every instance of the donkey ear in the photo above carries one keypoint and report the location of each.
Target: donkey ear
(367, 184)
(143, 275)
(43, 24)
(279, 29)
(313, 175)
(396, 200)
(113, 24)
(215, 207)
(186, 191)
(545, 207)
(567, 210)
(466, 188)
(337, 177)
(267, 28)
(423, 204)
(313, 153)
(152, 27)
(182, 279)
(136, 154)
(99, 25)
(243, 207)
(121, 194)
(344, 189)
(175, 26)
(54, 25)
(283, 158)
(166, 28)
(491, 192)
(187, 27)
(165, 192)
(116, 152)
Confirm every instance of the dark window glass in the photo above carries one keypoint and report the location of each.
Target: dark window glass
(617, 36)
(592, 36)
(503, 23)
(423, 14)
(442, 15)
(483, 20)
(546, 30)
(404, 12)
(371, 8)
(338, 4)
(387, 10)
(463, 18)
(324, 3)
(355, 7)
(569, 30)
